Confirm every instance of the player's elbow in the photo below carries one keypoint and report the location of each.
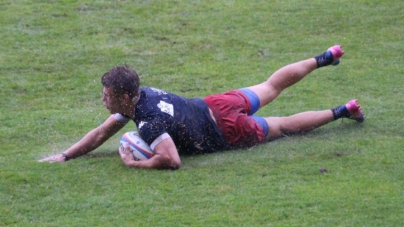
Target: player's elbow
(170, 162)
(175, 165)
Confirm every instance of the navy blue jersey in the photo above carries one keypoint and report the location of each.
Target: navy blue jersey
(187, 121)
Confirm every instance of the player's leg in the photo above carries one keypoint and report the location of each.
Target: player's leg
(298, 123)
(293, 73)
(307, 121)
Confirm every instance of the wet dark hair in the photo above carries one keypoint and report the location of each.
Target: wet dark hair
(122, 80)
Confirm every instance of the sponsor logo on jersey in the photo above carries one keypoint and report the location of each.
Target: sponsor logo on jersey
(166, 108)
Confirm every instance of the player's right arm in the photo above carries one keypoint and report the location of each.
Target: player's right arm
(90, 141)
(165, 156)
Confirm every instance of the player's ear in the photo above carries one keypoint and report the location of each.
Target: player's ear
(125, 97)
(136, 98)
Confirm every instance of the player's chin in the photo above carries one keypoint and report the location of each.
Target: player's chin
(110, 110)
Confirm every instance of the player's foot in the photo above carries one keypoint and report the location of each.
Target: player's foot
(334, 53)
(330, 57)
(354, 111)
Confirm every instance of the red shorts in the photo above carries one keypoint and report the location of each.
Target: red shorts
(231, 110)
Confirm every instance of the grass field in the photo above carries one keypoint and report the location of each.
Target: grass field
(53, 53)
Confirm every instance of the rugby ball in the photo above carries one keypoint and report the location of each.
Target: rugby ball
(138, 147)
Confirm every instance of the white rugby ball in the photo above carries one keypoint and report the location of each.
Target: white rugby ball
(138, 147)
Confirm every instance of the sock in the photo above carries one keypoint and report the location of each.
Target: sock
(324, 59)
(340, 111)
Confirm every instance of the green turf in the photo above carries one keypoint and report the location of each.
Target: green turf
(53, 53)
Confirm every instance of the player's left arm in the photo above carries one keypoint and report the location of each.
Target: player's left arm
(165, 157)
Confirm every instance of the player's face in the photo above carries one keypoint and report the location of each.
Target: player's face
(112, 101)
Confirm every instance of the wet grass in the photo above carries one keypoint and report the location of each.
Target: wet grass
(52, 55)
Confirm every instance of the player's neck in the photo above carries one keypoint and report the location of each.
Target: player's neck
(129, 108)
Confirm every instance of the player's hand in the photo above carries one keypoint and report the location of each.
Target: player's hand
(53, 158)
(126, 155)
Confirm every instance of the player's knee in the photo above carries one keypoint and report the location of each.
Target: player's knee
(275, 128)
(273, 86)
(275, 133)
